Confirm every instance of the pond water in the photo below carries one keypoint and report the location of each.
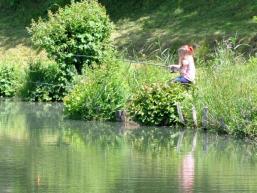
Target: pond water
(40, 151)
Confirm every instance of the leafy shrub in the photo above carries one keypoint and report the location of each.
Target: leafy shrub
(76, 35)
(44, 83)
(154, 104)
(9, 80)
(104, 91)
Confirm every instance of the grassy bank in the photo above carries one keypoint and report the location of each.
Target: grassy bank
(15, 46)
(227, 88)
(148, 25)
(149, 30)
(144, 27)
(15, 16)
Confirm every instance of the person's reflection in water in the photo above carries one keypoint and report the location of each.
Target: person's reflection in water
(187, 172)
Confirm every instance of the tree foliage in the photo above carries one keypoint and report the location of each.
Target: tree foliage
(77, 34)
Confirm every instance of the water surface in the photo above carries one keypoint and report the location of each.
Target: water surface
(42, 152)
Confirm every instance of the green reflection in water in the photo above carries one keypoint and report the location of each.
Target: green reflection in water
(42, 152)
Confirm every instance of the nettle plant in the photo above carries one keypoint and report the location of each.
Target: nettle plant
(155, 104)
(77, 34)
(9, 80)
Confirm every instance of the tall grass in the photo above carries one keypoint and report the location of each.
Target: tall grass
(228, 87)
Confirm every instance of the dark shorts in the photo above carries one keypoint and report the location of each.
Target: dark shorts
(182, 79)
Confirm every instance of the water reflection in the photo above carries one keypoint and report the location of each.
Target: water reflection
(42, 152)
(187, 173)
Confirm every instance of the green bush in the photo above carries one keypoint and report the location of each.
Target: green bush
(44, 83)
(76, 35)
(154, 104)
(104, 91)
(9, 80)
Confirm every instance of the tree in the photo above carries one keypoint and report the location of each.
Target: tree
(77, 34)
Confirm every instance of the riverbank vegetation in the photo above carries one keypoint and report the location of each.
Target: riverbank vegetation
(155, 104)
(95, 81)
(10, 80)
(227, 87)
(44, 82)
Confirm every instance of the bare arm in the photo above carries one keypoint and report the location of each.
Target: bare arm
(174, 67)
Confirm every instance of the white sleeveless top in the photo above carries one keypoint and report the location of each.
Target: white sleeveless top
(188, 68)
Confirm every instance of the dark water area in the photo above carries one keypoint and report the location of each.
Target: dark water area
(42, 152)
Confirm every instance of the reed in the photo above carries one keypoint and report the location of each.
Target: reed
(228, 87)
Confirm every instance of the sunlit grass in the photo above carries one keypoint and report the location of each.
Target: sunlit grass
(166, 24)
(15, 46)
(171, 23)
(227, 88)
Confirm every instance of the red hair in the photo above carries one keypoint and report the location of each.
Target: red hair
(187, 48)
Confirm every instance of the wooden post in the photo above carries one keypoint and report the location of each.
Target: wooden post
(205, 118)
(194, 142)
(180, 115)
(124, 116)
(206, 142)
(222, 124)
(121, 116)
(118, 115)
(180, 139)
(194, 117)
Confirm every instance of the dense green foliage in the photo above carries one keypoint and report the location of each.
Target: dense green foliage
(225, 80)
(100, 95)
(9, 80)
(44, 83)
(156, 104)
(108, 88)
(76, 35)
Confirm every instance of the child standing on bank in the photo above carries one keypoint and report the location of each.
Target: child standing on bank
(186, 65)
